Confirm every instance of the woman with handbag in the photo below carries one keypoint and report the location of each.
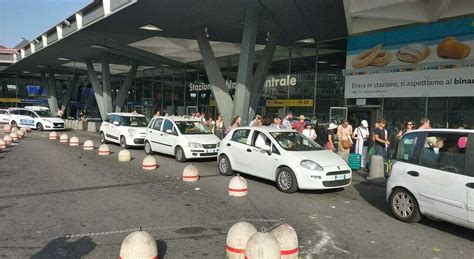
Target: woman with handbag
(361, 135)
(344, 134)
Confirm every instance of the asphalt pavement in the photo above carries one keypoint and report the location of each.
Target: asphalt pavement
(58, 201)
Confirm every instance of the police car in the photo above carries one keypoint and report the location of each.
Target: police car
(35, 117)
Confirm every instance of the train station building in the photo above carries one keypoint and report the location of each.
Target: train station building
(402, 60)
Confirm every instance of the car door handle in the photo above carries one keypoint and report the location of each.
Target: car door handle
(249, 150)
(228, 144)
(413, 173)
(161, 134)
(470, 185)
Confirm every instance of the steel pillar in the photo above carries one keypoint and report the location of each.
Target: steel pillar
(106, 88)
(97, 88)
(261, 73)
(123, 92)
(52, 94)
(214, 74)
(244, 74)
(69, 91)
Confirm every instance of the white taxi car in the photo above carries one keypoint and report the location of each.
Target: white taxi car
(35, 117)
(434, 176)
(182, 137)
(287, 157)
(126, 129)
(4, 115)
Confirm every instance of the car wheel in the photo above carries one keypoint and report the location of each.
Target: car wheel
(224, 166)
(102, 138)
(148, 149)
(404, 206)
(13, 123)
(39, 127)
(286, 180)
(179, 154)
(123, 142)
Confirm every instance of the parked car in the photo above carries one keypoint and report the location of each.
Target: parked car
(434, 176)
(182, 137)
(4, 116)
(35, 117)
(126, 129)
(287, 157)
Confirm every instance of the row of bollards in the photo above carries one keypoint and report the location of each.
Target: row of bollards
(12, 136)
(243, 241)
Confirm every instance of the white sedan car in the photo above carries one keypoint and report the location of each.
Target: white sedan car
(126, 129)
(287, 157)
(182, 137)
(4, 116)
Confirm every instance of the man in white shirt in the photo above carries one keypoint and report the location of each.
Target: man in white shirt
(286, 124)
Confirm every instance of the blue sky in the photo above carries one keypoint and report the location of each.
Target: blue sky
(30, 18)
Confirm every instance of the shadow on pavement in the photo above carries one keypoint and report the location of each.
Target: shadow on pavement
(449, 228)
(162, 247)
(60, 248)
(374, 194)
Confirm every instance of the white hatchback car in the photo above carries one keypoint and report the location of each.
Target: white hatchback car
(36, 117)
(4, 116)
(126, 129)
(287, 157)
(434, 176)
(182, 137)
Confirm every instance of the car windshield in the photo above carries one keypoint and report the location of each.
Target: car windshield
(294, 141)
(192, 127)
(44, 113)
(130, 121)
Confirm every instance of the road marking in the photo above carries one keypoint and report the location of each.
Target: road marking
(325, 242)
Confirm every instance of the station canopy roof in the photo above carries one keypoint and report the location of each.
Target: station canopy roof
(162, 32)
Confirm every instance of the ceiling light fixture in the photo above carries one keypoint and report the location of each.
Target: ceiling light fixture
(268, 36)
(334, 65)
(97, 46)
(206, 32)
(150, 27)
(322, 61)
(63, 59)
(308, 40)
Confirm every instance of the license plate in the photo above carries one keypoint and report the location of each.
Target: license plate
(340, 177)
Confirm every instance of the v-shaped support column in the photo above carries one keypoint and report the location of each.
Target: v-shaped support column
(221, 94)
(97, 88)
(244, 74)
(70, 89)
(123, 92)
(52, 94)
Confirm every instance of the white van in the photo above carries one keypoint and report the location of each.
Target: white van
(35, 117)
(434, 176)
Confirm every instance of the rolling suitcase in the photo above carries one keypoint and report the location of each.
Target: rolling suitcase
(354, 161)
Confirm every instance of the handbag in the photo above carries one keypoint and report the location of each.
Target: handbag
(346, 144)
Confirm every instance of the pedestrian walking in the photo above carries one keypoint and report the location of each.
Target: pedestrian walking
(425, 124)
(300, 124)
(234, 124)
(219, 127)
(344, 134)
(257, 121)
(286, 123)
(309, 132)
(380, 138)
(409, 126)
(276, 123)
(333, 141)
(361, 136)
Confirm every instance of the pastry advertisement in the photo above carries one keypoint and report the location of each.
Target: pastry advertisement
(428, 60)
(422, 44)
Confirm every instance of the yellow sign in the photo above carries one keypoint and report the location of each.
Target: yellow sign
(212, 103)
(10, 100)
(290, 102)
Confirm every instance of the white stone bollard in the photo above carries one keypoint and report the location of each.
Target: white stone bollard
(64, 138)
(190, 174)
(139, 245)
(376, 167)
(88, 145)
(287, 241)
(262, 245)
(74, 141)
(238, 186)
(237, 239)
(149, 163)
(104, 150)
(124, 156)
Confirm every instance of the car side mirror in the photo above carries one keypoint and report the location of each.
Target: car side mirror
(267, 149)
(116, 123)
(169, 131)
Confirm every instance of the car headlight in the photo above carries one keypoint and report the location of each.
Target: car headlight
(308, 164)
(194, 145)
(47, 120)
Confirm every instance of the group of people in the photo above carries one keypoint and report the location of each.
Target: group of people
(342, 137)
